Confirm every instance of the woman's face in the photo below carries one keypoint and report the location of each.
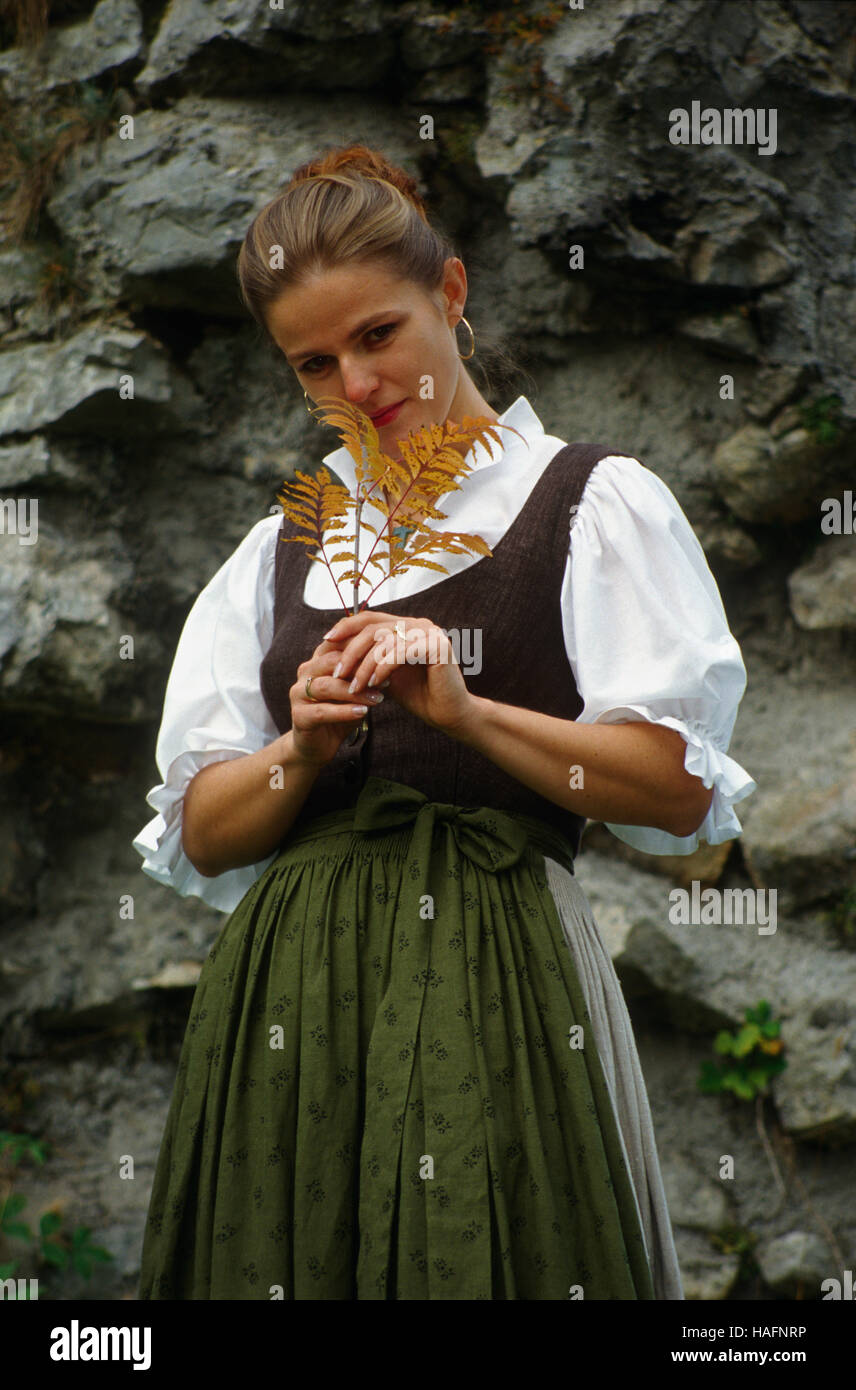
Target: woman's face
(363, 334)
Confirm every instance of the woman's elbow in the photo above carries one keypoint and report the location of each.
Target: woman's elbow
(192, 855)
(693, 813)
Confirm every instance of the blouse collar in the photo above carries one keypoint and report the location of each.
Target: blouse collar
(519, 415)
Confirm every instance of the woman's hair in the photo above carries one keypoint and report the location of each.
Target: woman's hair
(349, 204)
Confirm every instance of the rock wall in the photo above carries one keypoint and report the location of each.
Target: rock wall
(708, 328)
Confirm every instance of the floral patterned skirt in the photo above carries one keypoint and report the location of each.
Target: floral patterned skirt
(389, 1086)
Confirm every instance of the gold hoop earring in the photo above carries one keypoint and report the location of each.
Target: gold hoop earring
(306, 398)
(465, 357)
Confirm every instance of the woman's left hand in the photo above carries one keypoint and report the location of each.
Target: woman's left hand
(415, 656)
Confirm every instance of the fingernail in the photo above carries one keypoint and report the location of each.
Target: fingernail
(330, 633)
(360, 709)
(376, 697)
(384, 683)
(373, 679)
(352, 687)
(337, 670)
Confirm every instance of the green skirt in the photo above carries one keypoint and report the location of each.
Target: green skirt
(388, 1087)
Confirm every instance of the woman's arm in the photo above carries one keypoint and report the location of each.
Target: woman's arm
(632, 774)
(236, 812)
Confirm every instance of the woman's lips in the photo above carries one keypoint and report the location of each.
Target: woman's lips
(386, 417)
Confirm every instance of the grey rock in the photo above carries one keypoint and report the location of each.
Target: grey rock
(702, 977)
(799, 827)
(728, 544)
(794, 1264)
(767, 479)
(221, 45)
(706, 1274)
(75, 385)
(160, 218)
(60, 630)
(823, 590)
(728, 333)
(110, 40)
(772, 388)
(44, 461)
(693, 1200)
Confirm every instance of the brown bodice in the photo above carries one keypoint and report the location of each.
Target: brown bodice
(513, 596)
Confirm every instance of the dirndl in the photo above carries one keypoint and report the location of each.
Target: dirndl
(389, 1086)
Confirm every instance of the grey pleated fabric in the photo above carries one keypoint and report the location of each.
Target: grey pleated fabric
(619, 1058)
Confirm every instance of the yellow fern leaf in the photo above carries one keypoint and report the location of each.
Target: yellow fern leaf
(357, 432)
(472, 542)
(304, 490)
(406, 489)
(429, 564)
(306, 540)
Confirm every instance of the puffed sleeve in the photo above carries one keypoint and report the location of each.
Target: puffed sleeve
(647, 637)
(213, 709)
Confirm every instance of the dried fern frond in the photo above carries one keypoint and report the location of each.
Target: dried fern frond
(430, 465)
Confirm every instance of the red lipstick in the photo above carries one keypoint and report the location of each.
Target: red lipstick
(388, 414)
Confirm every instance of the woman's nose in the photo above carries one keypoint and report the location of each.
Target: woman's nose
(357, 382)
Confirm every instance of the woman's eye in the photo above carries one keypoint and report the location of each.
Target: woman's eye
(317, 364)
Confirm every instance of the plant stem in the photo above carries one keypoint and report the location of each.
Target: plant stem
(791, 1151)
(363, 726)
(762, 1133)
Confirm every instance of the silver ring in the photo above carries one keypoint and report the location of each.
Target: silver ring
(399, 629)
(309, 694)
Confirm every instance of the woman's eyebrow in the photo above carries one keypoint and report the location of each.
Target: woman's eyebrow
(355, 333)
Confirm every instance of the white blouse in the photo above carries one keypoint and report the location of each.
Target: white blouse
(645, 634)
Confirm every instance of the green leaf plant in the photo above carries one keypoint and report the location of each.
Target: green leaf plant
(749, 1059)
(53, 1245)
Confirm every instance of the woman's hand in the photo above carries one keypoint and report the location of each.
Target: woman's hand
(412, 655)
(319, 725)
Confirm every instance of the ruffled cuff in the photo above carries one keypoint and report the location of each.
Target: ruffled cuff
(159, 842)
(730, 782)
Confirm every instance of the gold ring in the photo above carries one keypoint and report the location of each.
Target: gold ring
(309, 694)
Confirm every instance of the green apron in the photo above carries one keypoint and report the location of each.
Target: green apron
(380, 1094)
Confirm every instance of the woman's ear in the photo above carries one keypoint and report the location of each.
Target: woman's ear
(454, 289)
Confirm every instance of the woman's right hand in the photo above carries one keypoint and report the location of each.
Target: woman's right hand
(318, 726)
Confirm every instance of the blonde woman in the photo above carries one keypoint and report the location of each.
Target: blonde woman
(408, 1071)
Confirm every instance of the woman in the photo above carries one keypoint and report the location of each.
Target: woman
(409, 1071)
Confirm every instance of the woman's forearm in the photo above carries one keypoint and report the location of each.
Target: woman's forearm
(631, 774)
(238, 811)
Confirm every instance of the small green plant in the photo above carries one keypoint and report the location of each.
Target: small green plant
(750, 1057)
(457, 138)
(822, 418)
(513, 33)
(59, 284)
(53, 1245)
(736, 1240)
(843, 917)
(35, 140)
